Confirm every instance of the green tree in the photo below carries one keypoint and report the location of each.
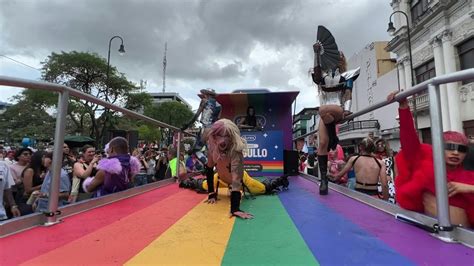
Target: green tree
(26, 119)
(172, 113)
(149, 133)
(87, 73)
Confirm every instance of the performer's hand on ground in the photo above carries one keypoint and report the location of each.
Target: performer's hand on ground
(211, 201)
(242, 215)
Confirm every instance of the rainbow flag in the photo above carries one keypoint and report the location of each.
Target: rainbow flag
(173, 226)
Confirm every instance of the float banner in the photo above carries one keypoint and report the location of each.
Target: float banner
(264, 153)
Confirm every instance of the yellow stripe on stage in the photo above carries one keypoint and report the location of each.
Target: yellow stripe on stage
(200, 237)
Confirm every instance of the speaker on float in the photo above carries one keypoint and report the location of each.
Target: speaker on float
(132, 139)
(290, 162)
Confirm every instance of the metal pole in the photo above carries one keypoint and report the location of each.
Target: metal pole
(411, 60)
(412, 72)
(442, 205)
(106, 111)
(57, 157)
(178, 153)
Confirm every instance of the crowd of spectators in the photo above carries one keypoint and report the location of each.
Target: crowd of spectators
(343, 171)
(25, 174)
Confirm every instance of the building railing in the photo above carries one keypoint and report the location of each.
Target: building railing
(422, 102)
(356, 125)
(445, 229)
(24, 222)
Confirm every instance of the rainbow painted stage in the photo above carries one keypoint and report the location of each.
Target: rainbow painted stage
(172, 226)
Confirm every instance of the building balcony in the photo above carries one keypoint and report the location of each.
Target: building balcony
(359, 125)
(422, 102)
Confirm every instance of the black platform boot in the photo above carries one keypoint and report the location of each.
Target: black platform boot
(195, 184)
(333, 139)
(277, 184)
(323, 170)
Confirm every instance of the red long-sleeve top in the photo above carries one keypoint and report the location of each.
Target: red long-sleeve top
(416, 172)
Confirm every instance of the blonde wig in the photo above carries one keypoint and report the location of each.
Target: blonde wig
(225, 127)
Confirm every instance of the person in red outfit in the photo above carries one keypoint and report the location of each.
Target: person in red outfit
(415, 182)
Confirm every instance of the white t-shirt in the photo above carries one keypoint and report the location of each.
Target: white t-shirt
(6, 182)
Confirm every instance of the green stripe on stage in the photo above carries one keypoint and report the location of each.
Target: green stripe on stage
(269, 238)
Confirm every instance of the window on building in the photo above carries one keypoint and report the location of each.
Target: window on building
(418, 9)
(466, 56)
(426, 135)
(425, 71)
(468, 127)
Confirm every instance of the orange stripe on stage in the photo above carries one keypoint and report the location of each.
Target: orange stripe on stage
(121, 240)
(200, 237)
(40, 240)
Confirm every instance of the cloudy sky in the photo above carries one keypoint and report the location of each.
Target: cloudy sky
(220, 44)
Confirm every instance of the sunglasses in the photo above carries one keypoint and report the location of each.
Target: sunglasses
(456, 147)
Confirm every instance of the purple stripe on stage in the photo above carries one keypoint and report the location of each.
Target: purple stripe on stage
(407, 240)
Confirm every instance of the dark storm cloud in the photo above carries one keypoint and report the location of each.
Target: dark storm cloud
(208, 41)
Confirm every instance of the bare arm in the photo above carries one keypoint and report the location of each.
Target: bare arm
(317, 73)
(196, 115)
(8, 197)
(346, 168)
(237, 171)
(383, 180)
(79, 169)
(97, 181)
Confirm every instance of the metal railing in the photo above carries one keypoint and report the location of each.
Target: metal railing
(64, 94)
(445, 228)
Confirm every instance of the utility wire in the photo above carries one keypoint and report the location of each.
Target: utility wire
(21, 63)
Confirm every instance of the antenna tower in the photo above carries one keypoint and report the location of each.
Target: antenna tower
(164, 67)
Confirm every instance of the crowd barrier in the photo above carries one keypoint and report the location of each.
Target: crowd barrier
(51, 216)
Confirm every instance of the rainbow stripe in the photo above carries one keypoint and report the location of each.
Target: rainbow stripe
(269, 168)
(173, 226)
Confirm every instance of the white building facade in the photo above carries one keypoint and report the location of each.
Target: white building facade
(378, 77)
(442, 41)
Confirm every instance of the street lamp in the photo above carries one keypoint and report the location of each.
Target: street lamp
(391, 30)
(121, 51)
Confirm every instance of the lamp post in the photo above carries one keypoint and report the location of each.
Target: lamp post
(121, 52)
(391, 30)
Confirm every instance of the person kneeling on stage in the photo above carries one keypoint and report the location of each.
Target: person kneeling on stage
(225, 153)
(115, 172)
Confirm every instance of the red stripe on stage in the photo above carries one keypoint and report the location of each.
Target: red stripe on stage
(118, 242)
(21, 247)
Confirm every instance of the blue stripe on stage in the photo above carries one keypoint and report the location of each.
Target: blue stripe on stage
(333, 239)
